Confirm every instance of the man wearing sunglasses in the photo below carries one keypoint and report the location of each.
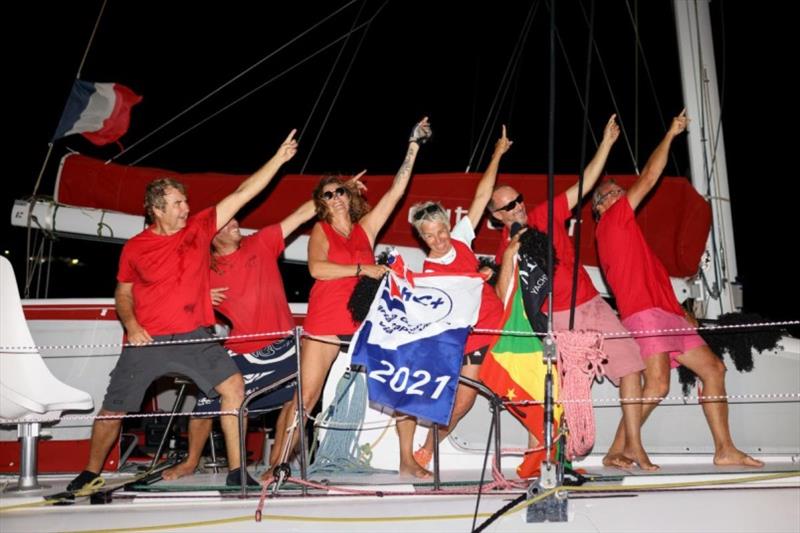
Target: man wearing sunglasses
(624, 364)
(647, 302)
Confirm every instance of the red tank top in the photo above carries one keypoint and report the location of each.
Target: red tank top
(327, 303)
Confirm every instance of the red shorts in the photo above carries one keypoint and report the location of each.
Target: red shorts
(672, 343)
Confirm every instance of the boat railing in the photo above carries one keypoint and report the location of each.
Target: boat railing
(495, 403)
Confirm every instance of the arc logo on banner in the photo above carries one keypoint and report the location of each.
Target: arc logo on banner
(412, 341)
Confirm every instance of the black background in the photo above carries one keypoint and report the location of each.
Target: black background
(440, 59)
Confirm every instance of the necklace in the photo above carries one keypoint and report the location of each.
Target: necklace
(345, 234)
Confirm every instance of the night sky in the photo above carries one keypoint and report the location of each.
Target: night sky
(416, 58)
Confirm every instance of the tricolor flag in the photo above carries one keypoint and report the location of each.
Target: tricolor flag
(101, 112)
(514, 370)
(412, 341)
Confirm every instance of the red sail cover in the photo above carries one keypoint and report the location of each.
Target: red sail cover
(675, 218)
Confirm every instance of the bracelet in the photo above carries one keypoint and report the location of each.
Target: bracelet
(358, 269)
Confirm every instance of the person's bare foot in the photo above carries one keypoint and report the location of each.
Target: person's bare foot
(617, 460)
(735, 457)
(413, 469)
(183, 469)
(640, 457)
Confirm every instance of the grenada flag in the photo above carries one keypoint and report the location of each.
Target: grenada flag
(514, 370)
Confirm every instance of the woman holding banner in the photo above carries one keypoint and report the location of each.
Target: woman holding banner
(340, 250)
(451, 252)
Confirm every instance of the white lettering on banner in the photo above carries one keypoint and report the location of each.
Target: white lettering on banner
(429, 302)
(400, 377)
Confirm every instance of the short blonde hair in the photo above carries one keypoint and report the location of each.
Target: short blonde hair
(428, 212)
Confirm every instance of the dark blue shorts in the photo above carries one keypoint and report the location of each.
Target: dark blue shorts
(259, 369)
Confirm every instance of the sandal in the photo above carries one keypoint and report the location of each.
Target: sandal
(423, 457)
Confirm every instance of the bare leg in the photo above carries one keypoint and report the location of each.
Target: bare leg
(231, 393)
(316, 359)
(711, 371)
(656, 385)
(465, 398)
(199, 430)
(631, 387)
(104, 434)
(406, 426)
(280, 434)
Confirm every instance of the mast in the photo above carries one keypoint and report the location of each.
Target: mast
(709, 173)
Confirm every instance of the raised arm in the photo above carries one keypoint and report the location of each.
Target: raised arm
(483, 192)
(253, 185)
(595, 167)
(123, 299)
(655, 164)
(298, 217)
(375, 219)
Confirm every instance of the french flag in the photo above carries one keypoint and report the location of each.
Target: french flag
(101, 112)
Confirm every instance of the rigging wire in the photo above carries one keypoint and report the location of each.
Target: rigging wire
(507, 74)
(341, 83)
(511, 79)
(579, 219)
(614, 103)
(330, 74)
(249, 93)
(649, 74)
(229, 82)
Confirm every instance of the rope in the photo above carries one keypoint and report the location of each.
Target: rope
(278, 334)
(580, 362)
(339, 450)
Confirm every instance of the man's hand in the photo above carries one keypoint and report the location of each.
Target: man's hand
(355, 184)
(679, 123)
(611, 131)
(288, 148)
(218, 295)
(503, 144)
(138, 336)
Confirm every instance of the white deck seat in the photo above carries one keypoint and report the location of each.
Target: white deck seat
(27, 387)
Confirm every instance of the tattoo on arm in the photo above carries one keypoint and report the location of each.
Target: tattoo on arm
(405, 168)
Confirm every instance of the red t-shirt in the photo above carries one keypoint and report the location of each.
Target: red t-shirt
(636, 276)
(170, 276)
(327, 303)
(490, 314)
(255, 301)
(565, 252)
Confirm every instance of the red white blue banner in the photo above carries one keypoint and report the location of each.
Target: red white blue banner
(412, 341)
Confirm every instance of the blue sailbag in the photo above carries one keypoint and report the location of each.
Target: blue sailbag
(412, 341)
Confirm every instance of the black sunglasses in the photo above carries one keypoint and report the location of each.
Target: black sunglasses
(511, 205)
(339, 191)
(433, 208)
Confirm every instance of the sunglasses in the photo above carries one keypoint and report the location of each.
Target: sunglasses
(429, 210)
(602, 198)
(511, 205)
(339, 191)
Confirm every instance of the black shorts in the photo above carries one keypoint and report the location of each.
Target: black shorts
(476, 357)
(205, 363)
(259, 369)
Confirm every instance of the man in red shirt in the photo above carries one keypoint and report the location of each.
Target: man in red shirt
(248, 290)
(646, 301)
(624, 364)
(162, 296)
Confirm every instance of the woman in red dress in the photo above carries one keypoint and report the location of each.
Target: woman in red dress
(339, 252)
